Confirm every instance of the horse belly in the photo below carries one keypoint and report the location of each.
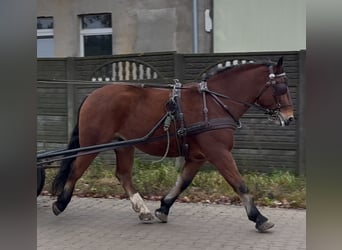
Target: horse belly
(160, 149)
(158, 143)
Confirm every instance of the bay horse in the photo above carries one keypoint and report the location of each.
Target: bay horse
(195, 120)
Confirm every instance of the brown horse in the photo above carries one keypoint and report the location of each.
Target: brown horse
(195, 120)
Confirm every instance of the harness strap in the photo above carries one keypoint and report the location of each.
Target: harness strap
(225, 107)
(178, 115)
(203, 126)
(200, 127)
(184, 145)
(203, 86)
(204, 89)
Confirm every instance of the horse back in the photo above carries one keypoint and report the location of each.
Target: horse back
(118, 110)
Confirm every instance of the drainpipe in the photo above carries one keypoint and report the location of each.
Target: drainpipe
(195, 26)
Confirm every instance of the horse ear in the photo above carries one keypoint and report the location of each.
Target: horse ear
(280, 61)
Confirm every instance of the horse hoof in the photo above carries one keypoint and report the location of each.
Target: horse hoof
(264, 226)
(146, 218)
(161, 216)
(55, 209)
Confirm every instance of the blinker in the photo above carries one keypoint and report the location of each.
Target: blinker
(279, 89)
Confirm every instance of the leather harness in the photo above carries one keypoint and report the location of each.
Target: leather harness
(182, 131)
(175, 113)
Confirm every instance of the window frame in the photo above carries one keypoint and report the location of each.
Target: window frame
(46, 33)
(92, 31)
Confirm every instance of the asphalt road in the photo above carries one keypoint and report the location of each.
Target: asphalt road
(97, 224)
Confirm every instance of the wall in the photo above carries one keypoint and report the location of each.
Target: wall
(262, 25)
(138, 25)
(150, 25)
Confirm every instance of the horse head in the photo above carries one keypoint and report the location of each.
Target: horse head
(275, 96)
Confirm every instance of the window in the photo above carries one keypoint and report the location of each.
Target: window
(45, 40)
(96, 35)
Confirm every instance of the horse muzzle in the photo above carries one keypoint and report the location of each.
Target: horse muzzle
(281, 119)
(284, 120)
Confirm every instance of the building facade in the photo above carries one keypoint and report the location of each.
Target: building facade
(259, 25)
(108, 27)
(119, 27)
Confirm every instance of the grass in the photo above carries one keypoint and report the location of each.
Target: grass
(276, 189)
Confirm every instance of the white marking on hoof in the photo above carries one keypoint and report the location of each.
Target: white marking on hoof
(140, 207)
(265, 226)
(161, 216)
(135, 207)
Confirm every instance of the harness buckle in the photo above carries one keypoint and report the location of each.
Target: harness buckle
(203, 86)
(167, 122)
(181, 132)
(176, 88)
(271, 76)
(239, 124)
(177, 83)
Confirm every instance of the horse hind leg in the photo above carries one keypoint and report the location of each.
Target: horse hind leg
(124, 168)
(77, 168)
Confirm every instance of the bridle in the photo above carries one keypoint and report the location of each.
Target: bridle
(278, 82)
(279, 88)
(279, 85)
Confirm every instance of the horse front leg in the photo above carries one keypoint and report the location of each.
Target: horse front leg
(184, 179)
(221, 157)
(124, 165)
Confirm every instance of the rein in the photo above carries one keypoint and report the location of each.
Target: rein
(51, 156)
(141, 85)
(203, 88)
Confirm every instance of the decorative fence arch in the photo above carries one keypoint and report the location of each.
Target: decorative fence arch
(125, 70)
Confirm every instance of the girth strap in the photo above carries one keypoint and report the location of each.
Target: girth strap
(200, 127)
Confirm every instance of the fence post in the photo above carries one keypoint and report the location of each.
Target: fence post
(179, 74)
(179, 67)
(300, 109)
(70, 63)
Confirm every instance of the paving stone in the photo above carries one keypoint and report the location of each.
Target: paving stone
(99, 224)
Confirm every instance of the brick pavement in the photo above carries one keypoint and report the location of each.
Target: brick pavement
(99, 224)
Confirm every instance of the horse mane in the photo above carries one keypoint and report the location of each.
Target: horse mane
(214, 71)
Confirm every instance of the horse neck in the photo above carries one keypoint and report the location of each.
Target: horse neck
(242, 84)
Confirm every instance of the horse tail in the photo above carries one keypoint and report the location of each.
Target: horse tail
(65, 168)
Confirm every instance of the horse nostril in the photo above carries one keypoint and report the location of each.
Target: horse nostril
(291, 118)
